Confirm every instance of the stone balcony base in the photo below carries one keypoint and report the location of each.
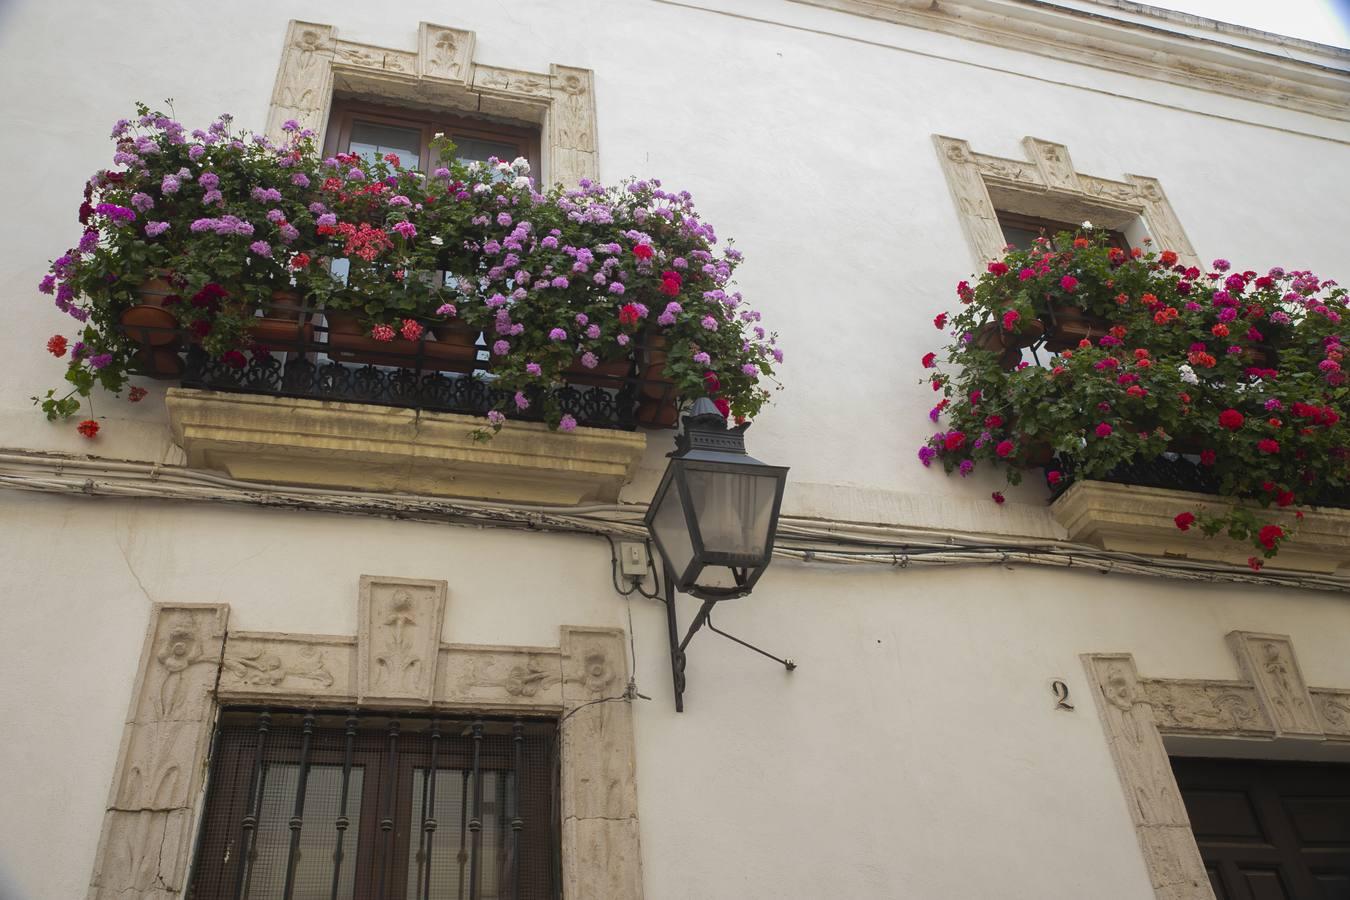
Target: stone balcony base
(1135, 519)
(393, 450)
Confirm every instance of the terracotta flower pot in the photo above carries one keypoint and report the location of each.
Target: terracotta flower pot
(1071, 324)
(159, 362)
(284, 327)
(653, 370)
(607, 373)
(349, 340)
(148, 322)
(991, 336)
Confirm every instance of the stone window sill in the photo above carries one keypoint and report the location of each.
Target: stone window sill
(376, 448)
(1137, 519)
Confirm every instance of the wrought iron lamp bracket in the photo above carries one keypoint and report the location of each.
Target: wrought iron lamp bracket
(678, 656)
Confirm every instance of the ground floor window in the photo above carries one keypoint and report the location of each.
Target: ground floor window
(311, 805)
(1270, 830)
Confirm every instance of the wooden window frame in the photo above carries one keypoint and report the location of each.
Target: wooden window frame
(227, 803)
(345, 113)
(1050, 227)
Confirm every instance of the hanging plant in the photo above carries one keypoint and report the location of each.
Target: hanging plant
(205, 233)
(1239, 371)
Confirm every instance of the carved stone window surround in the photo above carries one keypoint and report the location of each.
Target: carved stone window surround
(1272, 702)
(440, 73)
(190, 668)
(1046, 185)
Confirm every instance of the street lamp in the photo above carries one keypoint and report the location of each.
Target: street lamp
(713, 518)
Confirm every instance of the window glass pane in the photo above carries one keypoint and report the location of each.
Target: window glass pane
(452, 842)
(371, 140)
(318, 837)
(471, 149)
(1021, 238)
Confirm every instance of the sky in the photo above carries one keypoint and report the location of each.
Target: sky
(1324, 21)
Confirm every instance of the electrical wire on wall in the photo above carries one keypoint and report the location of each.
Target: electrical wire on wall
(802, 540)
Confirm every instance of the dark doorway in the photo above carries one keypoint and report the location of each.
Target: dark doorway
(1270, 830)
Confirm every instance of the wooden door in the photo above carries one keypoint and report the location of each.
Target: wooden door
(1270, 830)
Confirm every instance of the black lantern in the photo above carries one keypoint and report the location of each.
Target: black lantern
(715, 512)
(714, 517)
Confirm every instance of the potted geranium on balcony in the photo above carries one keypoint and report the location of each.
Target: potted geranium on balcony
(228, 243)
(1238, 372)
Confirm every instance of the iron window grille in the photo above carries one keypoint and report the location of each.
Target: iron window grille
(322, 805)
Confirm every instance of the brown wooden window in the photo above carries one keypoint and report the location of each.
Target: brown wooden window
(315, 806)
(1021, 231)
(372, 130)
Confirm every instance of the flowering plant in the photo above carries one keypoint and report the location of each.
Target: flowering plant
(1241, 372)
(559, 280)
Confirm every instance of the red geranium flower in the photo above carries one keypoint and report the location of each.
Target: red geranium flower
(56, 345)
(1185, 520)
(1208, 457)
(1168, 258)
(1285, 498)
(1267, 445)
(940, 321)
(1068, 283)
(1231, 419)
(1268, 535)
(299, 260)
(1004, 448)
(711, 383)
(642, 251)
(998, 268)
(136, 394)
(954, 440)
(1255, 563)
(929, 360)
(88, 428)
(1054, 477)
(723, 406)
(628, 313)
(998, 498)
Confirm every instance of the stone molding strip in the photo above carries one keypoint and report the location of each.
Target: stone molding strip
(1312, 79)
(1048, 186)
(1272, 702)
(190, 669)
(440, 74)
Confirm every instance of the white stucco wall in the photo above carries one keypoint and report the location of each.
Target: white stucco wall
(915, 752)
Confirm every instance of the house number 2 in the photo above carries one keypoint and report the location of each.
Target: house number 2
(1061, 692)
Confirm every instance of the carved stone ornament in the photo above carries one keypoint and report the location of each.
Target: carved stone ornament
(397, 659)
(441, 72)
(1048, 186)
(143, 849)
(398, 638)
(1136, 713)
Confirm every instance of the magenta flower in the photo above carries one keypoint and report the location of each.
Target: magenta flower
(1068, 283)
(557, 334)
(501, 348)
(522, 402)
(567, 423)
(709, 323)
(1104, 430)
(262, 248)
(533, 369)
(495, 418)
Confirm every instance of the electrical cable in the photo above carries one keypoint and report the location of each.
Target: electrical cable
(801, 540)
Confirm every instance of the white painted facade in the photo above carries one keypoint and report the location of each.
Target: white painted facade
(916, 751)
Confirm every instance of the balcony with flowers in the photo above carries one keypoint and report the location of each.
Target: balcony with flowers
(349, 322)
(1163, 404)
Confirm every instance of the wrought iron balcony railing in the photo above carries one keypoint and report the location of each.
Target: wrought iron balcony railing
(313, 355)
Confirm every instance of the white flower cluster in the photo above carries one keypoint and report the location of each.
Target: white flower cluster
(1188, 375)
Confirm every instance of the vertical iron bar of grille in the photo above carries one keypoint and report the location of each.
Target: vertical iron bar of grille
(517, 823)
(463, 832)
(255, 790)
(429, 824)
(476, 822)
(387, 820)
(342, 821)
(298, 817)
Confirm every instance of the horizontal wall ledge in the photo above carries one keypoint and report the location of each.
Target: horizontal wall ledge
(358, 446)
(1136, 519)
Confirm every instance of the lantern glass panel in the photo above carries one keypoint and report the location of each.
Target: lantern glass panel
(733, 511)
(671, 529)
